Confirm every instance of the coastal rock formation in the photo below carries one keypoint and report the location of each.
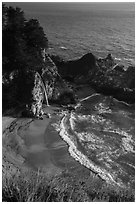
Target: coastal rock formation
(49, 75)
(29, 89)
(38, 93)
(76, 70)
(103, 74)
(24, 91)
(113, 79)
(57, 89)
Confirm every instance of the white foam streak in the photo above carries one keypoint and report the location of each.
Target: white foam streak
(130, 105)
(78, 156)
(84, 99)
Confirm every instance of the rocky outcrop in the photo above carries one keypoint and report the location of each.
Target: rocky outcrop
(114, 80)
(38, 93)
(49, 76)
(75, 70)
(29, 89)
(57, 88)
(103, 74)
(25, 91)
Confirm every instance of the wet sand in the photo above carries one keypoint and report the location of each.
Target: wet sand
(44, 147)
(32, 144)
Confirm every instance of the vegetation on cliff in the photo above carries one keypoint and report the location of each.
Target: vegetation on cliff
(24, 59)
(23, 41)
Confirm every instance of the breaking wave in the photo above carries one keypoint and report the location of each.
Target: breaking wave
(102, 140)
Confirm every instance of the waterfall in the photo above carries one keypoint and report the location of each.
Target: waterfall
(45, 92)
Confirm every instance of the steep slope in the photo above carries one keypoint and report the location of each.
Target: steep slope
(29, 89)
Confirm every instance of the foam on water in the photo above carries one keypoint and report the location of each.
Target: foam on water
(101, 142)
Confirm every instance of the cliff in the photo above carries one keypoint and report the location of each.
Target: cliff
(102, 74)
(29, 89)
(75, 70)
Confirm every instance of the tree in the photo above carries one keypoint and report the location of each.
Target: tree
(23, 41)
(13, 44)
(4, 16)
(35, 36)
(36, 41)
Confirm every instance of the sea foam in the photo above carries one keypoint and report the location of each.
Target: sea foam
(80, 157)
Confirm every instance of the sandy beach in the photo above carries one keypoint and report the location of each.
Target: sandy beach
(36, 145)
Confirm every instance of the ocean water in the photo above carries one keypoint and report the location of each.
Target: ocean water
(76, 29)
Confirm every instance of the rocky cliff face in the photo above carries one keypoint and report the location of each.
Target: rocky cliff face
(38, 93)
(49, 76)
(77, 70)
(103, 74)
(113, 79)
(30, 89)
(54, 84)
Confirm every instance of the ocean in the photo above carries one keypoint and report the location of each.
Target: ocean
(74, 29)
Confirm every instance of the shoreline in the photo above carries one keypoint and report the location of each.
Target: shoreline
(82, 168)
(53, 145)
(81, 158)
(36, 146)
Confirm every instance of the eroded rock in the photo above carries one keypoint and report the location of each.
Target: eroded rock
(29, 89)
(103, 74)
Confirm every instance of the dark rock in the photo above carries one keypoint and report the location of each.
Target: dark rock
(75, 68)
(67, 98)
(70, 108)
(106, 63)
(119, 68)
(115, 81)
(103, 74)
(130, 77)
(56, 59)
(55, 86)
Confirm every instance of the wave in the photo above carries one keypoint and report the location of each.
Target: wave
(119, 59)
(50, 48)
(84, 99)
(97, 94)
(122, 102)
(63, 48)
(79, 156)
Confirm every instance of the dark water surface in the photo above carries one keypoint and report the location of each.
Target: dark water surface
(73, 29)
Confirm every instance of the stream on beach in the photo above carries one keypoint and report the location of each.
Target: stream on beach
(99, 134)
